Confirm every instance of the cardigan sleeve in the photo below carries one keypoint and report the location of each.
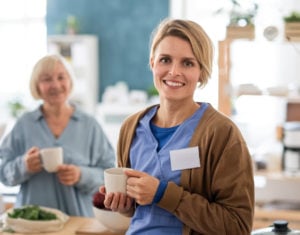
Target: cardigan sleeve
(217, 197)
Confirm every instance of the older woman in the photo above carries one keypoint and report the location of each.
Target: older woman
(86, 149)
(191, 169)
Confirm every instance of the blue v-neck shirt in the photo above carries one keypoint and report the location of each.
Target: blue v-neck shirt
(147, 156)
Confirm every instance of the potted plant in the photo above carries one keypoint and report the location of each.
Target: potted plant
(153, 94)
(16, 108)
(292, 26)
(241, 20)
(72, 25)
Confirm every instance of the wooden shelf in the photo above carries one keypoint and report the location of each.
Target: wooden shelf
(224, 81)
(237, 32)
(292, 31)
(226, 92)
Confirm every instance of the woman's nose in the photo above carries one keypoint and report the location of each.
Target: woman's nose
(55, 82)
(175, 70)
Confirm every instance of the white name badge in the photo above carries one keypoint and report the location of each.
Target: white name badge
(186, 158)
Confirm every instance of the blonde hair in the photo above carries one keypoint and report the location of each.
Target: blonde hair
(194, 34)
(46, 65)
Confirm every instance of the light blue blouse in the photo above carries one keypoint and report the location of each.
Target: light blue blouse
(151, 219)
(84, 144)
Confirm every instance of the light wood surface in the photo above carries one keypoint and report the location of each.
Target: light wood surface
(77, 226)
(90, 226)
(264, 218)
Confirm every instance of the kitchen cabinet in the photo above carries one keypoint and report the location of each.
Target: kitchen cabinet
(83, 54)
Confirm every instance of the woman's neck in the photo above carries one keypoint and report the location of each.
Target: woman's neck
(173, 114)
(57, 111)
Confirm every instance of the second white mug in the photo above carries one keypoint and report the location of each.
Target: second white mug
(51, 158)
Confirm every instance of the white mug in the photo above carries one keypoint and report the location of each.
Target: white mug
(2, 207)
(51, 158)
(115, 180)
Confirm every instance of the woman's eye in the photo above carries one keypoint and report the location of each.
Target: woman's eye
(45, 79)
(61, 77)
(188, 64)
(164, 60)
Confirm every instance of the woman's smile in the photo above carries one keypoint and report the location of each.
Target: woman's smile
(173, 83)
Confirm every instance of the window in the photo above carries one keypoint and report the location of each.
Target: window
(23, 41)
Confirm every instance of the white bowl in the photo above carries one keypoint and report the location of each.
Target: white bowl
(113, 221)
(31, 226)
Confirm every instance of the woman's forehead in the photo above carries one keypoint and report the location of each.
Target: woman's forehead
(174, 45)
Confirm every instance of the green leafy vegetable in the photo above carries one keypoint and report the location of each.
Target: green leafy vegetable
(32, 213)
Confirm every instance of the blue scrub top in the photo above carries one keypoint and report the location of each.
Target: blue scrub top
(151, 219)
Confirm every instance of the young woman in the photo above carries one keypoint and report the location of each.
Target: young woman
(191, 169)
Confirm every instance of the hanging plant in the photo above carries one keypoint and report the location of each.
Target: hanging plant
(240, 14)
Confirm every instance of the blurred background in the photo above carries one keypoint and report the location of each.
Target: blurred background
(255, 78)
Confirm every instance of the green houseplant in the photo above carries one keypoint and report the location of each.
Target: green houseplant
(292, 26)
(294, 16)
(16, 107)
(241, 19)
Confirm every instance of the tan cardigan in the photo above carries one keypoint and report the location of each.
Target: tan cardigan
(218, 197)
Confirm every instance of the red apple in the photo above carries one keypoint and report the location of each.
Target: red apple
(98, 200)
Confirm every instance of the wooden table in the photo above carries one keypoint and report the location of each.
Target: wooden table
(264, 218)
(76, 226)
(90, 226)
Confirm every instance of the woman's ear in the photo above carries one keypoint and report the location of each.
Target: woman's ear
(151, 63)
(200, 77)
